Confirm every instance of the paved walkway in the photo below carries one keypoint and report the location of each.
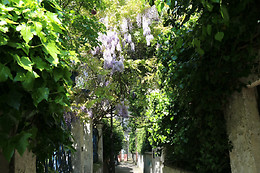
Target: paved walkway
(127, 167)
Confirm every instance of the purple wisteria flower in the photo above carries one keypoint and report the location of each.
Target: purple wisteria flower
(111, 48)
(149, 38)
(122, 109)
(139, 20)
(124, 25)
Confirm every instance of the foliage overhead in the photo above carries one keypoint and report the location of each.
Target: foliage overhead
(34, 77)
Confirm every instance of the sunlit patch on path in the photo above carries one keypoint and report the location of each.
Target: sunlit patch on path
(127, 167)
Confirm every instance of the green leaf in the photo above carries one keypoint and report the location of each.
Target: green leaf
(20, 76)
(24, 62)
(10, 21)
(52, 49)
(29, 80)
(219, 36)
(209, 6)
(24, 47)
(3, 40)
(25, 32)
(58, 74)
(4, 29)
(224, 13)
(196, 42)
(200, 51)
(38, 27)
(40, 64)
(209, 28)
(179, 43)
(5, 73)
(22, 142)
(215, 1)
(14, 99)
(40, 94)
(57, 28)
(8, 150)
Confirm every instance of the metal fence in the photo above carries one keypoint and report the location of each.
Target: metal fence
(60, 162)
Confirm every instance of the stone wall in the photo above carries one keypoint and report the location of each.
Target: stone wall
(77, 157)
(19, 164)
(82, 160)
(140, 162)
(243, 128)
(88, 147)
(25, 163)
(150, 164)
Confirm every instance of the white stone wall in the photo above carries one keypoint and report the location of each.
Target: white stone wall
(148, 164)
(243, 128)
(157, 165)
(77, 157)
(82, 160)
(140, 162)
(88, 147)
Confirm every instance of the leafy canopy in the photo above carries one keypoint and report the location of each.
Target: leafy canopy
(34, 77)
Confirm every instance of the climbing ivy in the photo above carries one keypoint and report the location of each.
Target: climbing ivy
(142, 143)
(34, 77)
(209, 47)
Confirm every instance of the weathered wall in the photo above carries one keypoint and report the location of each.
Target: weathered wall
(25, 163)
(140, 162)
(77, 157)
(4, 165)
(158, 164)
(82, 160)
(148, 164)
(243, 128)
(97, 168)
(88, 147)
(100, 143)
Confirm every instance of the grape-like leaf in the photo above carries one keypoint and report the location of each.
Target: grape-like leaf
(25, 32)
(40, 94)
(29, 80)
(8, 150)
(14, 99)
(22, 142)
(4, 73)
(52, 49)
(219, 36)
(24, 62)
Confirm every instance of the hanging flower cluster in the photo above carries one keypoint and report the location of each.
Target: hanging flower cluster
(145, 20)
(119, 40)
(111, 51)
(122, 109)
(114, 42)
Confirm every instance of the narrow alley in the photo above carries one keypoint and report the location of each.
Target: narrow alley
(127, 167)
